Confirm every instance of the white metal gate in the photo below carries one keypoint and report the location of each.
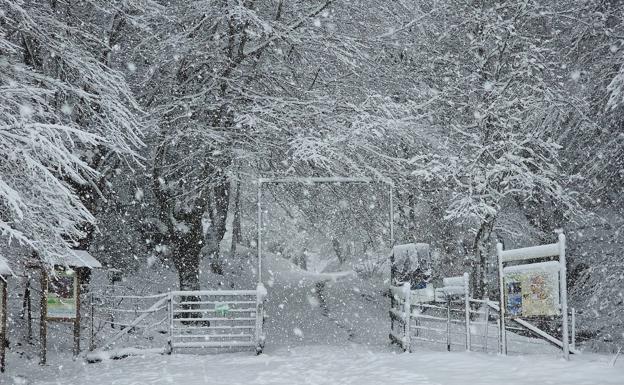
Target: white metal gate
(220, 319)
(451, 317)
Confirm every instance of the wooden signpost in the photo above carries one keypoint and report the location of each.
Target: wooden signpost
(60, 297)
(530, 288)
(60, 303)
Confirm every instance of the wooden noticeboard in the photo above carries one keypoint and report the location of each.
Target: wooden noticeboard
(60, 302)
(532, 293)
(62, 296)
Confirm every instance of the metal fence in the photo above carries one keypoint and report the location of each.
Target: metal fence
(216, 319)
(456, 321)
(177, 320)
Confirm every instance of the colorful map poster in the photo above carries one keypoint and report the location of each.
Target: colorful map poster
(62, 291)
(532, 292)
(514, 297)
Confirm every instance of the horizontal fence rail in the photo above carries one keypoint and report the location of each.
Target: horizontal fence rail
(466, 323)
(216, 319)
(205, 319)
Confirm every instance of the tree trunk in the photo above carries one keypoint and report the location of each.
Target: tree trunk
(412, 221)
(187, 266)
(186, 253)
(236, 223)
(406, 225)
(481, 249)
(218, 217)
(186, 256)
(338, 251)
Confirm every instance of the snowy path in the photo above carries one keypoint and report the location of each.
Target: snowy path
(318, 365)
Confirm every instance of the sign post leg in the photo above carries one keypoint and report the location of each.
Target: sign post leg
(43, 327)
(27, 309)
(77, 319)
(92, 316)
(565, 337)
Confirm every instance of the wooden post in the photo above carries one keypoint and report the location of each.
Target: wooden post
(43, 327)
(92, 316)
(3, 320)
(27, 309)
(77, 283)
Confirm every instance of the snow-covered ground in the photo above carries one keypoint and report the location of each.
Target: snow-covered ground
(337, 336)
(335, 365)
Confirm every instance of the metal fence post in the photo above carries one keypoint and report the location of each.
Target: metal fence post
(260, 293)
(467, 308)
(565, 338)
(170, 308)
(487, 323)
(573, 345)
(502, 331)
(448, 322)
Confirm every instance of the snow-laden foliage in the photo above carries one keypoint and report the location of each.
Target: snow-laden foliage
(60, 107)
(498, 114)
(259, 87)
(496, 121)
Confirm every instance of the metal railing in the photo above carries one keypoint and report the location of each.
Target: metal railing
(217, 319)
(468, 323)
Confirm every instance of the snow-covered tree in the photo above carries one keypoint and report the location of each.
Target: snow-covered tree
(233, 88)
(62, 106)
(500, 110)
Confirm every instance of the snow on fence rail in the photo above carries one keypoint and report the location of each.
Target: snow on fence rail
(126, 316)
(452, 318)
(217, 319)
(442, 305)
(189, 319)
(400, 315)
